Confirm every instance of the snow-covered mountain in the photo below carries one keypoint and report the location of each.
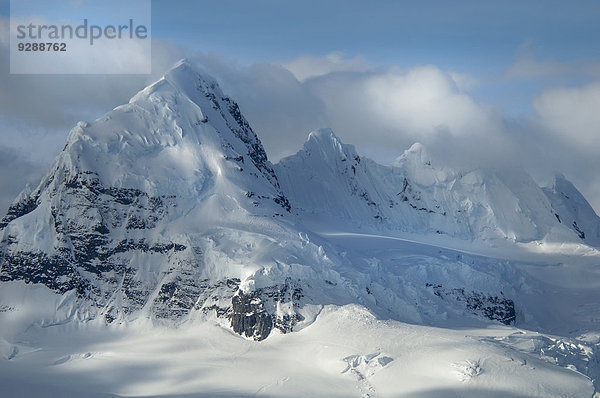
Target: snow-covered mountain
(164, 206)
(573, 210)
(167, 212)
(328, 183)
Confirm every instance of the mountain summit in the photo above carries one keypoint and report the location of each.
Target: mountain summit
(136, 214)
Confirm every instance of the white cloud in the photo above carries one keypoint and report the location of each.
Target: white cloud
(526, 66)
(464, 81)
(307, 66)
(569, 119)
(55, 101)
(15, 173)
(383, 109)
(419, 101)
(573, 114)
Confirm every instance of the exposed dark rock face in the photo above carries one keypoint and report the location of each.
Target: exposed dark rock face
(175, 299)
(36, 267)
(413, 197)
(19, 209)
(85, 256)
(495, 308)
(237, 123)
(185, 292)
(282, 201)
(249, 318)
(89, 260)
(578, 230)
(256, 313)
(240, 127)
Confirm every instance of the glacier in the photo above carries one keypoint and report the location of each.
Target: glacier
(163, 228)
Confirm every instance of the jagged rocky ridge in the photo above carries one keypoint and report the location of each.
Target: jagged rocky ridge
(168, 208)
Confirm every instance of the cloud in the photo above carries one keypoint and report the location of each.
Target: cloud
(61, 100)
(380, 110)
(527, 66)
(15, 173)
(307, 66)
(418, 102)
(38, 111)
(569, 118)
(386, 107)
(573, 114)
(464, 81)
(384, 110)
(281, 109)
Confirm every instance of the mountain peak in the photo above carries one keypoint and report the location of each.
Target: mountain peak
(182, 63)
(184, 75)
(191, 104)
(417, 147)
(184, 78)
(323, 134)
(417, 155)
(180, 136)
(323, 140)
(563, 187)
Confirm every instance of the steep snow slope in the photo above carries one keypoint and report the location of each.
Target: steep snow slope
(329, 183)
(573, 210)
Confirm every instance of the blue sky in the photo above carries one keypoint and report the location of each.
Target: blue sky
(513, 83)
(481, 38)
(474, 35)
